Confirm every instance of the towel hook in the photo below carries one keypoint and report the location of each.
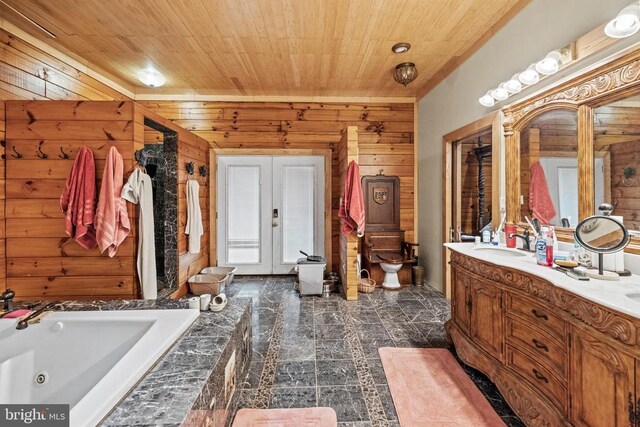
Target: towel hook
(17, 155)
(64, 155)
(203, 170)
(41, 154)
(190, 168)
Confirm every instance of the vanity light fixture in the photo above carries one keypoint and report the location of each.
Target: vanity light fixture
(500, 93)
(405, 73)
(401, 47)
(487, 100)
(550, 64)
(529, 76)
(513, 85)
(626, 23)
(151, 77)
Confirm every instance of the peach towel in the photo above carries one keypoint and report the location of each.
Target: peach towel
(540, 201)
(112, 220)
(288, 417)
(429, 388)
(78, 201)
(351, 211)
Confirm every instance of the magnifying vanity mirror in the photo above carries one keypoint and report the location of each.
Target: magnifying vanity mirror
(602, 234)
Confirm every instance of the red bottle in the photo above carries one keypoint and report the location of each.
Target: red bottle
(549, 241)
(510, 229)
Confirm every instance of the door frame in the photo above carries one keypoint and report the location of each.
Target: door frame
(492, 121)
(274, 152)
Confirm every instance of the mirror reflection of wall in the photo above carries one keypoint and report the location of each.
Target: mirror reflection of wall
(549, 168)
(617, 143)
(476, 195)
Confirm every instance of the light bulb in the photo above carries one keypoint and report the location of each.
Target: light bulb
(550, 63)
(487, 100)
(529, 76)
(625, 24)
(500, 93)
(513, 85)
(151, 77)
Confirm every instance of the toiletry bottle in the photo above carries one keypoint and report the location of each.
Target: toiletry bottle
(541, 247)
(510, 230)
(495, 239)
(549, 248)
(486, 236)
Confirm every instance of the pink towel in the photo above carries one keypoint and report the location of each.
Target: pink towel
(112, 220)
(78, 202)
(540, 201)
(351, 211)
(16, 314)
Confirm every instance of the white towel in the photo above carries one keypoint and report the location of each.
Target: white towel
(138, 190)
(194, 216)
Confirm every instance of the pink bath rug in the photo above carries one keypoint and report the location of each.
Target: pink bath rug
(290, 417)
(429, 388)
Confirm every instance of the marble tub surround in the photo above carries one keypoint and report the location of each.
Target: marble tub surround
(311, 351)
(611, 294)
(189, 378)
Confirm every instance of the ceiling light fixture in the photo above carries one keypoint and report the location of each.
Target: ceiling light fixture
(487, 100)
(151, 77)
(513, 85)
(405, 73)
(529, 76)
(550, 64)
(401, 47)
(626, 23)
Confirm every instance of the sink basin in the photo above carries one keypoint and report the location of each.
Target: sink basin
(635, 297)
(503, 252)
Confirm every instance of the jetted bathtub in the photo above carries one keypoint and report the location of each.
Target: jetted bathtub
(87, 359)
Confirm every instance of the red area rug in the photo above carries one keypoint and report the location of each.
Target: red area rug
(302, 417)
(429, 388)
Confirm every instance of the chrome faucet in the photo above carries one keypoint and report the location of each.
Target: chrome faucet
(7, 298)
(24, 323)
(526, 245)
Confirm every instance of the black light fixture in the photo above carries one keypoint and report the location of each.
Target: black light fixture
(401, 47)
(405, 73)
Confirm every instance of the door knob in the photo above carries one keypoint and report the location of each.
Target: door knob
(274, 224)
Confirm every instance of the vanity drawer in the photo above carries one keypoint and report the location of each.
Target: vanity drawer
(538, 316)
(539, 376)
(537, 344)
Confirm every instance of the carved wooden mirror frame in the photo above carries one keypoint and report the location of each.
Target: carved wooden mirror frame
(609, 82)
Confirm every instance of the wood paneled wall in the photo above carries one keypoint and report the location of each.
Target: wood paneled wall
(348, 267)
(385, 133)
(42, 261)
(28, 73)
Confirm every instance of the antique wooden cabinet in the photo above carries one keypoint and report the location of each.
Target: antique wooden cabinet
(557, 358)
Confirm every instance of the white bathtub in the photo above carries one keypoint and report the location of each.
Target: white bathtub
(88, 359)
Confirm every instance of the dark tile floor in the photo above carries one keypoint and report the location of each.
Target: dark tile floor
(314, 351)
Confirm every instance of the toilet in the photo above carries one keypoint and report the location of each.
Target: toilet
(391, 267)
(385, 254)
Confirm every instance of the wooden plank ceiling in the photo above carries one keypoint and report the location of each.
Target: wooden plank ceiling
(268, 47)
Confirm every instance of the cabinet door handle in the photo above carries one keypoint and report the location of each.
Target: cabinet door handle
(540, 345)
(538, 315)
(539, 376)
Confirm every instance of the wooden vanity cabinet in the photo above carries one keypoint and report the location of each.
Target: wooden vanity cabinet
(603, 383)
(557, 358)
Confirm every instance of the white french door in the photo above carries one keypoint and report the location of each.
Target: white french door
(269, 208)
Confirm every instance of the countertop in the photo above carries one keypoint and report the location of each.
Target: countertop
(609, 293)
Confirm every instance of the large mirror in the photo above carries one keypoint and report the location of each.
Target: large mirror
(616, 147)
(549, 169)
